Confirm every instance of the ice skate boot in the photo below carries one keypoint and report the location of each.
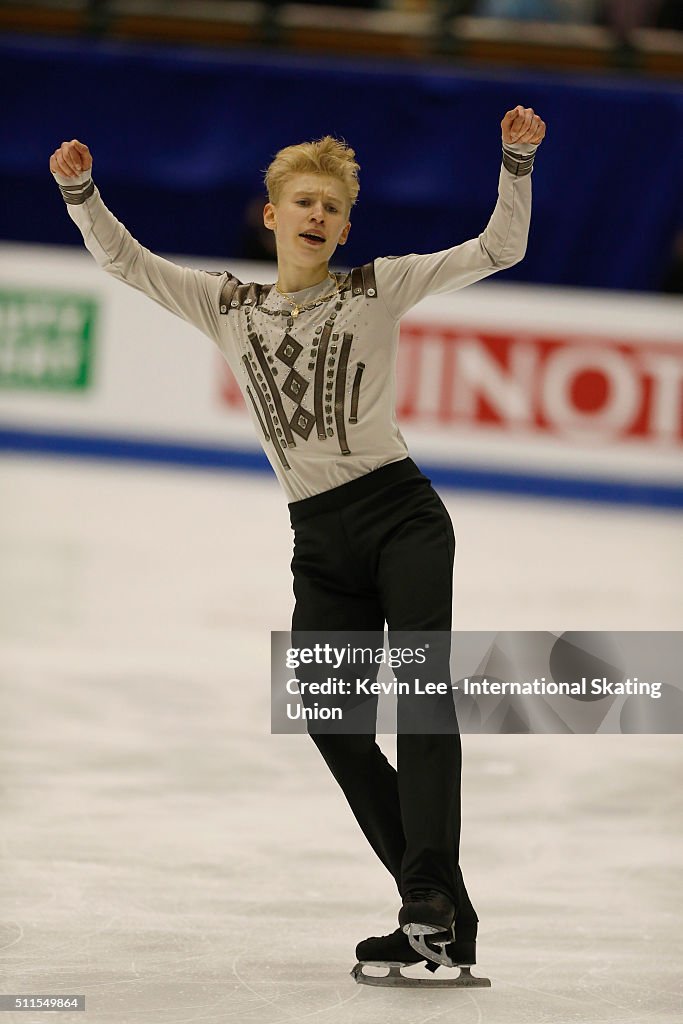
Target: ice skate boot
(394, 952)
(427, 918)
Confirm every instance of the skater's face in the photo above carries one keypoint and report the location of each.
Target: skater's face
(310, 219)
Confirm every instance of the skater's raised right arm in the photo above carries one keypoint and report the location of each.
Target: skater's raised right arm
(191, 294)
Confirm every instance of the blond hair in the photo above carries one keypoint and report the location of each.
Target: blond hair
(328, 156)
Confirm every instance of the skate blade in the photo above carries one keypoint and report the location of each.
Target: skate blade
(395, 979)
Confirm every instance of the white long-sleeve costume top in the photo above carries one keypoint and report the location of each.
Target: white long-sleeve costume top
(320, 387)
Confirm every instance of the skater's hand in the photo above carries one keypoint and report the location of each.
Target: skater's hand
(71, 159)
(522, 125)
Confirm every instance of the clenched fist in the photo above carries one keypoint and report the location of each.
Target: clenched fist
(71, 159)
(522, 125)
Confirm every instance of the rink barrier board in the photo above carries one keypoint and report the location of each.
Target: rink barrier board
(466, 478)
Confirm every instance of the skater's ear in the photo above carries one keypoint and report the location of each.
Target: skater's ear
(345, 234)
(270, 216)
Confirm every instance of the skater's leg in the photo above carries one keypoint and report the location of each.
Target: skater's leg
(429, 791)
(415, 581)
(367, 779)
(370, 786)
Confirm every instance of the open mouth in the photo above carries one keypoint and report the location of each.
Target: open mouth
(312, 238)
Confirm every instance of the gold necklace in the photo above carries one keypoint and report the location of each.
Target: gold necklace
(304, 308)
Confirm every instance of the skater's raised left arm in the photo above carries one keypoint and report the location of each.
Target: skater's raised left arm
(405, 280)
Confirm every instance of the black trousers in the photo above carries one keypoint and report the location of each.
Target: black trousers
(381, 549)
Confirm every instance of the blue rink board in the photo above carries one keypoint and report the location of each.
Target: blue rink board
(458, 477)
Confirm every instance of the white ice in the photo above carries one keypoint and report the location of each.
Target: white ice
(169, 858)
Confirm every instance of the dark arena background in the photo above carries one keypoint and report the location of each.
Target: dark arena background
(162, 852)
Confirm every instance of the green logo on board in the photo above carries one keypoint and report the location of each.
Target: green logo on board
(46, 339)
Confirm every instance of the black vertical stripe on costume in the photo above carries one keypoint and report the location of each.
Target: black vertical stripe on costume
(339, 393)
(252, 295)
(353, 416)
(274, 390)
(263, 291)
(357, 286)
(242, 293)
(266, 412)
(344, 282)
(319, 385)
(227, 293)
(258, 414)
(369, 282)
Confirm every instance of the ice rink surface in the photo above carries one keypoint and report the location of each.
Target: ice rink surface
(166, 856)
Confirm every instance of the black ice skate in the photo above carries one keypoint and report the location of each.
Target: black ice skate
(394, 952)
